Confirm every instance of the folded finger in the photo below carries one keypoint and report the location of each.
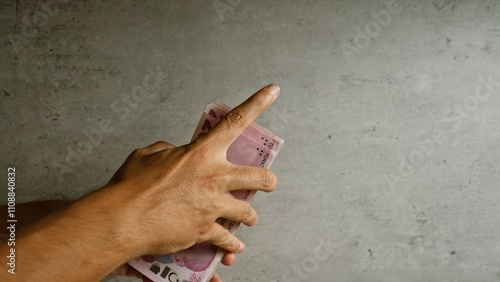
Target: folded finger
(228, 259)
(251, 178)
(239, 211)
(222, 238)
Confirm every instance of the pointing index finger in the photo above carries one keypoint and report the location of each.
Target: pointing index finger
(235, 122)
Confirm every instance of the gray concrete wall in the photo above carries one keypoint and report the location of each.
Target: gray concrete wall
(392, 127)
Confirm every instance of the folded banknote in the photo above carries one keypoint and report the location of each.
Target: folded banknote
(256, 147)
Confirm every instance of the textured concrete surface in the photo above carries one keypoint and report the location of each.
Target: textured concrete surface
(390, 112)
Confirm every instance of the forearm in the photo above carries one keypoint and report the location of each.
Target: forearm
(27, 213)
(81, 242)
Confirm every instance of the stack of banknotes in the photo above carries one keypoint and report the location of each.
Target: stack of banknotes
(256, 147)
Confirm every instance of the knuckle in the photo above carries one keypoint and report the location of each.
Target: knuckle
(224, 239)
(160, 143)
(260, 102)
(236, 119)
(198, 150)
(248, 213)
(204, 231)
(267, 179)
(212, 207)
(213, 185)
(196, 153)
(135, 153)
(223, 177)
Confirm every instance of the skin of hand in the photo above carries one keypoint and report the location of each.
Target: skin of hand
(27, 213)
(162, 199)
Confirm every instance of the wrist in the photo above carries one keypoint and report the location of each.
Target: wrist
(106, 212)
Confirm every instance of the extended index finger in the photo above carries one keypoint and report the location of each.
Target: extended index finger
(243, 115)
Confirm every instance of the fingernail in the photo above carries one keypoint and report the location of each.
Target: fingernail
(241, 248)
(273, 89)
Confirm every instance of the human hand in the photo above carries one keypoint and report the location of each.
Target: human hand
(168, 198)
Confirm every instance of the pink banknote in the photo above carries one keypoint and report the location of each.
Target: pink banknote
(256, 147)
